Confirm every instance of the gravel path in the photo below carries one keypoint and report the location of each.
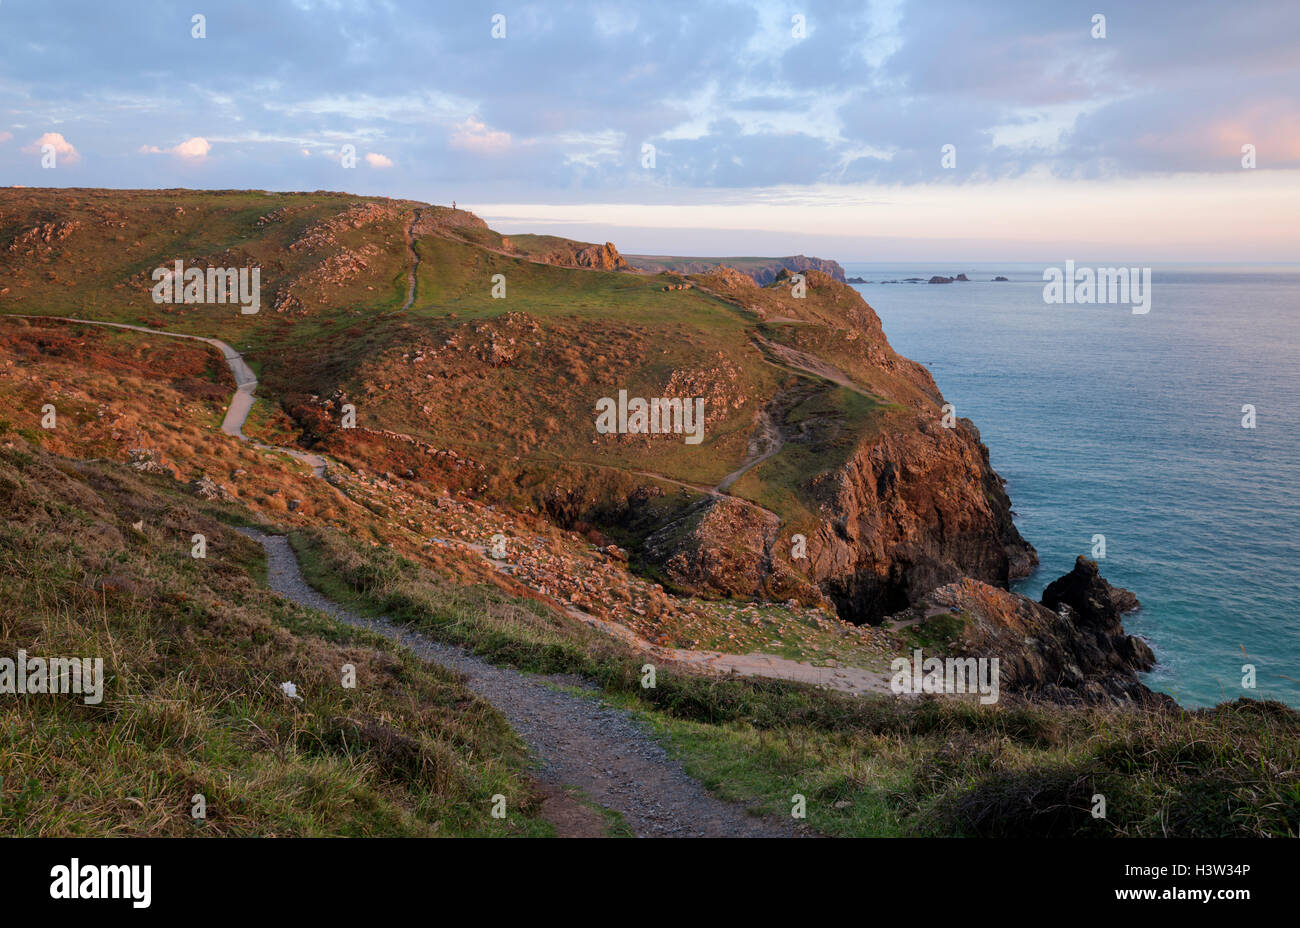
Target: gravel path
(578, 741)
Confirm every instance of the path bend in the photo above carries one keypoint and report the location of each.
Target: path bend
(577, 740)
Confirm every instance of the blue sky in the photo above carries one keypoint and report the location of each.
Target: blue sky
(776, 127)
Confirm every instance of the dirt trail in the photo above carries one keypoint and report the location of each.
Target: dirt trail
(852, 680)
(577, 740)
(413, 274)
(241, 404)
(764, 443)
(845, 679)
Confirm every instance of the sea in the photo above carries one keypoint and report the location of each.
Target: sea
(1131, 429)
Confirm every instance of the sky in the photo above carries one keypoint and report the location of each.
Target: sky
(700, 127)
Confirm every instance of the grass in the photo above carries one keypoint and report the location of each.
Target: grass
(194, 654)
(880, 766)
(830, 422)
(579, 334)
(196, 650)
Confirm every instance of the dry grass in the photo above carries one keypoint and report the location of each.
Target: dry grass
(194, 653)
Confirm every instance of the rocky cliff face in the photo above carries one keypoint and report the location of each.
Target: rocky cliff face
(911, 511)
(765, 275)
(913, 506)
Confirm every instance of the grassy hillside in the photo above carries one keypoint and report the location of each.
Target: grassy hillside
(519, 383)
(195, 651)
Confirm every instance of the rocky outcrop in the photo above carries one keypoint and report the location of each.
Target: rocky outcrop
(766, 275)
(1085, 591)
(205, 487)
(912, 506)
(564, 252)
(1062, 655)
(725, 545)
(1097, 607)
(914, 509)
(42, 239)
(600, 257)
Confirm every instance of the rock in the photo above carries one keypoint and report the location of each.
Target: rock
(720, 547)
(1056, 656)
(564, 252)
(962, 277)
(1000, 278)
(206, 488)
(147, 461)
(294, 505)
(936, 279)
(910, 511)
(1085, 591)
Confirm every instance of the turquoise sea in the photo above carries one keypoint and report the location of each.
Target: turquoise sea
(1130, 426)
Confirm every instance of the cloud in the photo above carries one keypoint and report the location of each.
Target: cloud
(473, 135)
(722, 88)
(6, 136)
(62, 147)
(195, 149)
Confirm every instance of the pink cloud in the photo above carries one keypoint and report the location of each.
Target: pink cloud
(62, 147)
(195, 149)
(376, 160)
(473, 135)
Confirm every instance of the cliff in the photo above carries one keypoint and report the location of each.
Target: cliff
(890, 502)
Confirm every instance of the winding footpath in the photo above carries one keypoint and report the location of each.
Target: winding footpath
(577, 740)
(241, 404)
(851, 680)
